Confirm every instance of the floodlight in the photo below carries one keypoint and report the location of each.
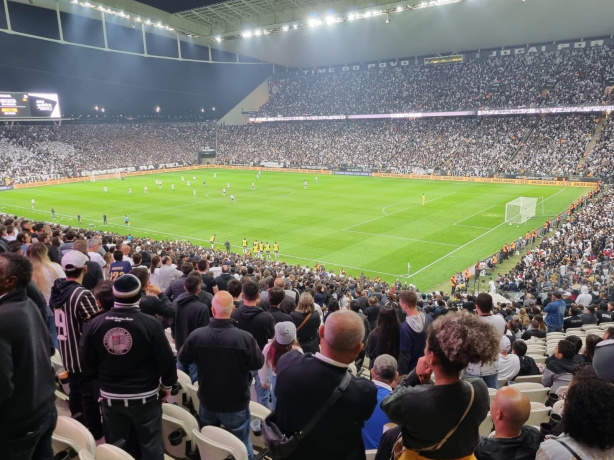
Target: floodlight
(285, 28)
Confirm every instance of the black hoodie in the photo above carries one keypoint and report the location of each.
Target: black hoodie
(259, 323)
(190, 314)
(27, 387)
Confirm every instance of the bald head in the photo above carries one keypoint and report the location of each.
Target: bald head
(510, 410)
(279, 282)
(343, 331)
(222, 305)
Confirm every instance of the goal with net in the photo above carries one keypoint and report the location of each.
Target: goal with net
(520, 210)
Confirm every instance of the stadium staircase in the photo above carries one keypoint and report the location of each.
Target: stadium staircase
(591, 144)
(239, 115)
(524, 140)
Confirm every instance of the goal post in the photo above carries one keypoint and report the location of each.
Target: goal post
(520, 210)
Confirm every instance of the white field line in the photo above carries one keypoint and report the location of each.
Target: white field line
(469, 242)
(479, 212)
(403, 238)
(472, 226)
(395, 212)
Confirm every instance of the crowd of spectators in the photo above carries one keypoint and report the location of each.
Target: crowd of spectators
(558, 78)
(44, 152)
(600, 161)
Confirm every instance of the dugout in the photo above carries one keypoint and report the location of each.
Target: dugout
(207, 157)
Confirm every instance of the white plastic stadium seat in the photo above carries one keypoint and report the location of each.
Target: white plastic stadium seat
(111, 452)
(370, 454)
(69, 433)
(486, 426)
(257, 412)
(193, 394)
(538, 359)
(182, 398)
(539, 414)
(528, 379)
(536, 395)
(85, 455)
(217, 444)
(177, 427)
(529, 386)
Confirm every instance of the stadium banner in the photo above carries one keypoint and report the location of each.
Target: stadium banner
(6, 187)
(475, 54)
(353, 173)
(489, 180)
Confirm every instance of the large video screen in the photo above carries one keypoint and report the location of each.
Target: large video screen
(29, 105)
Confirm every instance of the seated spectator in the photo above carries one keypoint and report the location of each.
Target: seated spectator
(527, 364)
(383, 374)
(588, 423)
(592, 340)
(384, 339)
(574, 320)
(509, 364)
(510, 410)
(453, 342)
(534, 331)
(589, 316)
(604, 314)
(560, 370)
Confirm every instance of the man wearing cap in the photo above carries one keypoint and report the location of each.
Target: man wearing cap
(73, 306)
(128, 352)
(225, 357)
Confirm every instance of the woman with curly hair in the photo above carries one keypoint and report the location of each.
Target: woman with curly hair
(386, 337)
(441, 421)
(588, 423)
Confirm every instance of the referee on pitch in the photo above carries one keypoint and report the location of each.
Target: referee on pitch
(128, 352)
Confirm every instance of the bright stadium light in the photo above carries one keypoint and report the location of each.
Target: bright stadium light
(330, 20)
(246, 34)
(399, 8)
(202, 110)
(218, 39)
(285, 28)
(213, 108)
(95, 107)
(102, 109)
(257, 32)
(158, 109)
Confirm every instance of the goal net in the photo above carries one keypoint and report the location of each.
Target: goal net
(520, 210)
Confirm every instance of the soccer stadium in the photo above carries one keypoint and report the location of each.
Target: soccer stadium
(228, 225)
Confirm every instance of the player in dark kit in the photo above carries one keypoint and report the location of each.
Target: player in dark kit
(128, 352)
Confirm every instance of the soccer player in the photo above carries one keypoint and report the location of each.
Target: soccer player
(423, 199)
(261, 250)
(182, 179)
(232, 197)
(52, 213)
(194, 193)
(105, 189)
(255, 248)
(79, 217)
(244, 245)
(104, 218)
(159, 184)
(253, 186)
(145, 189)
(188, 184)
(212, 241)
(126, 220)
(215, 175)
(276, 249)
(228, 185)
(267, 248)
(223, 192)
(173, 187)
(204, 181)
(316, 179)
(305, 185)
(194, 178)
(130, 191)
(33, 203)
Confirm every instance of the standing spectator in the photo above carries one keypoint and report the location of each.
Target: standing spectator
(73, 306)
(584, 299)
(372, 311)
(27, 388)
(555, 312)
(413, 332)
(94, 273)
(283, 342)
(175, 289)
(190, 314)
(166, 273)
(355, 307)
(306, 381)
(307, 322)
(385, 338)
(454, 341)
(128, 352)
(487, 371)
(222, 280)
(260, 324)
(383, 374)
(276, 297)
(225, 356)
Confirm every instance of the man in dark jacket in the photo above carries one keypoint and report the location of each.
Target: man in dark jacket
(372, 311)
(510, 410)
(306, 381)
(527, 364)
(276, 297)
(574, 320)
(225, 356)
(560, 370)
(260, 324)
(190, 315)
(589, 317)
(534, 331)
(175, 289)
(413, 332)
(73, 306)
(153, 301)
(27, 387)
(128, 352)
(222, 280)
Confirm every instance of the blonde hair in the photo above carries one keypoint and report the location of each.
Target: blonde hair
(305, 303)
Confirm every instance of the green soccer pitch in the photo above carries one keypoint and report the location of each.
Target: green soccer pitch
(362, 224)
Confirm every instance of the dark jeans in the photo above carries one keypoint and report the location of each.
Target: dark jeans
(83, 399)
(139, 426)
(235, 422)
(34, 444)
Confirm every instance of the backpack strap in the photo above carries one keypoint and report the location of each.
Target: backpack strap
(573, 452)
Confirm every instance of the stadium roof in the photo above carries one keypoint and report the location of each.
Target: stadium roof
(469, 25)
(384, 32)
